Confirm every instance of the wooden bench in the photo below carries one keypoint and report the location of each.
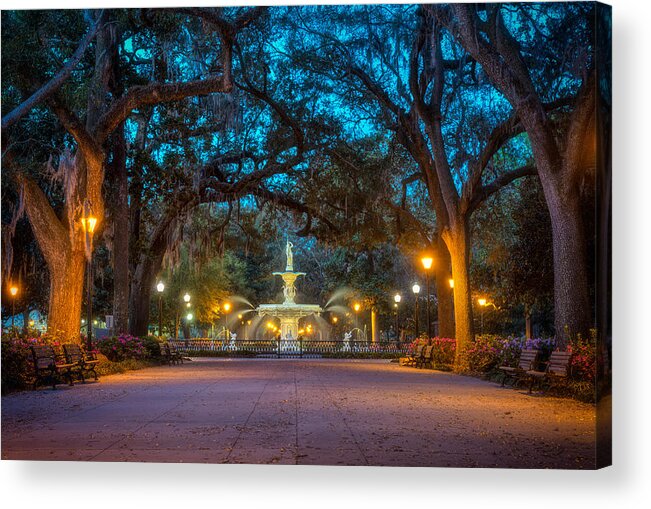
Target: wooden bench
(556, 369)
(175, 355)
(169, 353)
(413, 357)
(426, 357)
(527, 362)
(48, 367)
(86, 362)
(165, 353)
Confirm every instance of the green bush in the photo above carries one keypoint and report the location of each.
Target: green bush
(16, 363)
(152, 346)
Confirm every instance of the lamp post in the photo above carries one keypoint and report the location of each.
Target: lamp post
(227, 309)
(356, 308)
(160, 287)
(416, 290)
(13, 291)
(88, 225)
(427, 262)
(397, 298)
(482, 304)
(188, 319)
(186, 299)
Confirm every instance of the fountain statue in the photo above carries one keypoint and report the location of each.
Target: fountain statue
(289, 312)
(347, 337)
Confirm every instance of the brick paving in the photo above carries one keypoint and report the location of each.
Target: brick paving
(324, 412)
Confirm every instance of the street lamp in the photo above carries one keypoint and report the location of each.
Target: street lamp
(484, 303)
(227, 309)
(397, 298)
(427, 262)
(160, 287)
(186, 299)
(416, 290)
(88, 224)
(356, 307)
(13, 291)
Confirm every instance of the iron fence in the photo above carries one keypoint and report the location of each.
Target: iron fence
(288, 348)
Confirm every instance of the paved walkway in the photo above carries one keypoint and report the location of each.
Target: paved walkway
(327, 412)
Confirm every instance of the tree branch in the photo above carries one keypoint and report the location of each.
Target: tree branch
(156, 93)
(503, 180)
(56, 82)
(51, 235)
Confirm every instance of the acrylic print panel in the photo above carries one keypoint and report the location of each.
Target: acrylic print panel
(309, 235)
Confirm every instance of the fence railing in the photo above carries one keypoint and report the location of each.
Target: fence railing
(291, 347)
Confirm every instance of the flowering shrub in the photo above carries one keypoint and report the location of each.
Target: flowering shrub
(487, 352)
(583, 362)
(124, 346)
(443, 352)
(444, 348)
(511, 348)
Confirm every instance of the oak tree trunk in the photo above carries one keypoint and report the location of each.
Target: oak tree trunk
(139, 309)
(66, 292)
(458, 242)
(571, 295)
(120, 216)
(444, 292)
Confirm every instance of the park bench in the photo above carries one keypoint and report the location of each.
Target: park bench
(47, 366)
(426, 357)
(413, 357)
(556, 369)
(169, 353)
(526, 363)
(175, 355)
(165, 354)
(86, 362)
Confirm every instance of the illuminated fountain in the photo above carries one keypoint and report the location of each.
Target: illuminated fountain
(289, 312)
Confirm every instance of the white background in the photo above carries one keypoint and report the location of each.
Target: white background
(627, 484)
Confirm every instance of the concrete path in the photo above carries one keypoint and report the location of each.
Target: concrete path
(325, 412)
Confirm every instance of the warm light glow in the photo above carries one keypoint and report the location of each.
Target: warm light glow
(186, 297)
(88, 224)
(94, 322)
(397, 298)
(190, 316)
(416, 288)
(227, 306)
(356, 307)
(188, 305)
(13, 291)
(248, 322)
(160, 287)
(427, 262)
(31, 323)
(335, 319)
(482, 302)
(83, 321)
(301, 331)
(239, 316)
(451, 281)
(270, 325)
